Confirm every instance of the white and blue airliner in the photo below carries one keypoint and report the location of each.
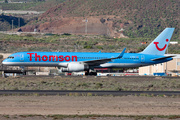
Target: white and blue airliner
(83, 61)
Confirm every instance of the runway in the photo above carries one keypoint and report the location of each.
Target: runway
(93, 93)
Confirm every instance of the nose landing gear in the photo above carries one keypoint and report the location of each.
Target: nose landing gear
(23, 70)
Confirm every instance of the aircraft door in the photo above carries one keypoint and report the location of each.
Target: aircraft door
(142, 58)
(55, 58)
(22, 57)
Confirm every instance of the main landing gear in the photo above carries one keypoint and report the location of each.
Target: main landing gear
(89, 72)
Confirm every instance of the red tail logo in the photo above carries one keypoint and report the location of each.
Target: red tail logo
(161, 49)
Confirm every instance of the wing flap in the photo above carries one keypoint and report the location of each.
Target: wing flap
(162, 58)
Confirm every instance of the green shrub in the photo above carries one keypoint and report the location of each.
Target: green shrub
(88, 47)
(100, 47)
(99, 85)
(1, 56)
(89, 94)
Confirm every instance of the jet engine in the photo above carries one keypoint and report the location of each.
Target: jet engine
(75, 67)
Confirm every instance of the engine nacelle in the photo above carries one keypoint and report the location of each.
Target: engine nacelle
(75, 67)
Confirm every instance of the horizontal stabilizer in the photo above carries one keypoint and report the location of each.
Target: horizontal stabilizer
(162, 58)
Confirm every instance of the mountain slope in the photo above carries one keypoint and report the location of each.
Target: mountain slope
(37, 5)
(139, 18)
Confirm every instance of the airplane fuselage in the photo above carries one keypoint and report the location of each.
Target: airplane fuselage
(61, 59)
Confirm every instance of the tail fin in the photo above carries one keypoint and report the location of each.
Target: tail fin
(160, 44)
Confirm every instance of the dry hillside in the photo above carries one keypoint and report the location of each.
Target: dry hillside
(138, 18)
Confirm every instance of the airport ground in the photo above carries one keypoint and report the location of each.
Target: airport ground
(52, 107)
(42, 107)
(123, 83)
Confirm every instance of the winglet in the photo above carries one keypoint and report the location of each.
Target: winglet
(122, 53)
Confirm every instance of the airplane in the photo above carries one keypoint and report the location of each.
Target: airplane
(84, 61)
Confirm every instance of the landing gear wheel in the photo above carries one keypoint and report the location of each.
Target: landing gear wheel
(22, 70)
(87, 72)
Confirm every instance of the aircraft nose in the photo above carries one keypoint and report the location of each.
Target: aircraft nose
(4, 62)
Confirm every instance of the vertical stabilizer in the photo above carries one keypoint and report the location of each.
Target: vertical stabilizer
(160, 44)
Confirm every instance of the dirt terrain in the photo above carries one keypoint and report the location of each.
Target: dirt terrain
(39, 107)
(90, 83)
(81, 105)
(78, 26)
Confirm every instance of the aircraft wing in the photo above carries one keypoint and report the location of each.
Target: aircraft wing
(102, 61)
(162, 58)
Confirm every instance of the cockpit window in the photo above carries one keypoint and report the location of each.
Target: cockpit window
(11, 57)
